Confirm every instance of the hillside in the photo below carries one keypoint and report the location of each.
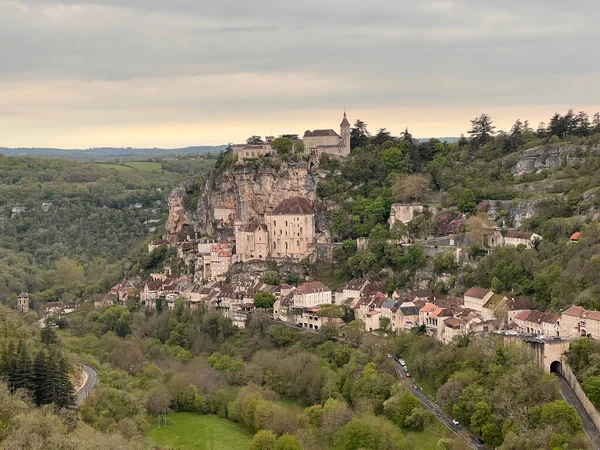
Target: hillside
(68, 227)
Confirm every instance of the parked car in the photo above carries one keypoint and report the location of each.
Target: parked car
(479, 440)
(455, 422)
(407, 374)
(405, 368)
(402, 363)
(415, 387)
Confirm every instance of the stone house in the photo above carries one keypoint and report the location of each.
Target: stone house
(352, 291)
(123, 290)
(433, 316)
(309, 318)
(505, 308)
(476, 297)
(53, 308)
(104, 300)
(312, 294)
(157, 243)
(368, 309)
(243, 152)
(516, 238)
(538, 322)
(251, 241)
(576, 322)
(403, 315)
(216, 263)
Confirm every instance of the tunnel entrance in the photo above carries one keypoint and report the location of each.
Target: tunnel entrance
(556, 367)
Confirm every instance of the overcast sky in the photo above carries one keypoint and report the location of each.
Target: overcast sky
(171, 73)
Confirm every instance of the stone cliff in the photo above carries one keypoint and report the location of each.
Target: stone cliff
(252, 188)
(547, 157)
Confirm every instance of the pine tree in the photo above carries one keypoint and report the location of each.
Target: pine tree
(40, 373)
(48, 335)
(58, 383)
(9, 366)
(23, 375)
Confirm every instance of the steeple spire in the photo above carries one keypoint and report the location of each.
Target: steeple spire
(345, 120)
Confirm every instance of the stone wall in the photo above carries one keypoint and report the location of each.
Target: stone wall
(568, 375)
(404, 212)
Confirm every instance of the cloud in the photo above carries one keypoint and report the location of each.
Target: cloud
(148, 61)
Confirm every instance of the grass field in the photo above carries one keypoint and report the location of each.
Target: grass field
(145, 166)
(428, 438)
(197, 432)
(115, 166)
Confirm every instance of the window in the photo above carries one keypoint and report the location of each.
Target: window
(297, 243)
(274, 244)
(274, 223)
(286, 223)
(286, 245)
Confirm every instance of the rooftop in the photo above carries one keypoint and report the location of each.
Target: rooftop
(320, 133)
(519, 234)
(294, 206)
(477, 292)
(310, 288)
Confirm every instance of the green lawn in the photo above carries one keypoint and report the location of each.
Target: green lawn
(145, 166)
(198, 432)
(428, 438)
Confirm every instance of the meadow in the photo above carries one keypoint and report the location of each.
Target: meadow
(191, 431)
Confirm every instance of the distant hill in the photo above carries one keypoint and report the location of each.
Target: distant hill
(109, 152)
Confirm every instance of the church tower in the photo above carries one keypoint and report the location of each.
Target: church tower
(345, 133)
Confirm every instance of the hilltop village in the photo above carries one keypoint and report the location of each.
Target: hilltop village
(235, 259)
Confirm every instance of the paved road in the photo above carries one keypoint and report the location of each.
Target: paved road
(438, 412)
(92, 381)
(588, 426)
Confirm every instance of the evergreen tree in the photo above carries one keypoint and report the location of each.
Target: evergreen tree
(40, 373)
(63, 395)
(23, 373)
(9, 365)
(481, 131)
(359, 135)
(48, 335)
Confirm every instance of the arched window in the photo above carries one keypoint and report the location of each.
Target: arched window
(286, 245)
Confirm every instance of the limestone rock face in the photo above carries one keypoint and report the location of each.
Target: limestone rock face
(547, 157)
(177, 214)
(253, 189)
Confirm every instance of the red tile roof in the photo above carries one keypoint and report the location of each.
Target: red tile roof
(519, 234)
(320, 133)
(538, 317)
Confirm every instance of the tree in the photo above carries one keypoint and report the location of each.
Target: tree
(467, 202)
(48, 335)
(23, 375)
(254, 140)
(283, 146)
(411, 188)
(481, 131)
(288, 442)
(398, 231)
(382, 136)
(40, 373)
(418, 418)
(271, 277)
(406, 404)
(158, 404)
(359, 135)
(264, 300)
(355, 331)
(263, 440)
(384, 323)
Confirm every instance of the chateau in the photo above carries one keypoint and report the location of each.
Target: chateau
(288, 232)
(316, 143)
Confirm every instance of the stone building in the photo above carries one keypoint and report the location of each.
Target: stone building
(23, 302)
(538, 322)
(291, 228)
(577, 322)
(224, 213)
(476, 297)
(328, 141)
(404, 213)
(251, 241)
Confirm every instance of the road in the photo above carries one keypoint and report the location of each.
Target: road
(438, 412)
(91, 382)
(588, 426)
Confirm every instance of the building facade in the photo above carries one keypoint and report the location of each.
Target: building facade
(291, 229)
(317, 142)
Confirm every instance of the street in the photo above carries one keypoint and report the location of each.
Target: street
(588, 426)
(460, 431)
(91, 382)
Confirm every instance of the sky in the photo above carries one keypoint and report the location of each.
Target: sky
(174, 73)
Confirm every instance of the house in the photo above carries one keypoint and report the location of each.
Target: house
(53, 308)
(70, 307)
(123, 290)
(453, 329)
(157, 243)
(476, 297)
(516, 238)
(251, 241)
(538, 322)
(215, 264)
(433, 316)
(504, 308)
(243, 152)
(352, 291)
(368, 309)
(104, 300)
(312, 294)
(403, 315)
(291, 228)
(577, 322)
(310, 318)
(23, 302)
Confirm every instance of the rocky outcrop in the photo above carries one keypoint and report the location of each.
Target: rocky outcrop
(513, 212)
(253, 189)
(178, 217)
(547, 157)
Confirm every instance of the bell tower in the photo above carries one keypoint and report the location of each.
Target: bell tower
(345, 133)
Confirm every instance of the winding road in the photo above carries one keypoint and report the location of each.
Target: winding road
(90, 383)
(439, 414)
